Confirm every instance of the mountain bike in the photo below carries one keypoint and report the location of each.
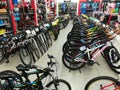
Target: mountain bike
(11, 80)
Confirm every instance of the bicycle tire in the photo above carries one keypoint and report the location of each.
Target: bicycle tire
(70, 46)
(35, 48)
(87, 86)
(57, 82)
(41, 48)
(48, 37)
(3, 54)
(17, 80)
(110, 53)
(21, 55)
(72, 66)
(71, 54)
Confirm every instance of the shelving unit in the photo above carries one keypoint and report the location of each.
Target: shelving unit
(50, 8)
(28, 14)
(7, 17)
(86, 1)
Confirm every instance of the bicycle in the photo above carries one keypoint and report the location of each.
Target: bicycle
(77, 54)
(12, 80)
(103, 83)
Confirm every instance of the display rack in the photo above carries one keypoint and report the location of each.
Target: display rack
(6, 17)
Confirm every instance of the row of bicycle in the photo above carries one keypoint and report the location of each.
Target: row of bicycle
(86, 41)
(31, 43)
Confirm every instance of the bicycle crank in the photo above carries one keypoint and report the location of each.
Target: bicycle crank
(91, 63)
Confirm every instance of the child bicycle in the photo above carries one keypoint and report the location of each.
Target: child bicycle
(11, 80)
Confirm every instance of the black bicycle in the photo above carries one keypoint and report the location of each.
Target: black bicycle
(11, 80)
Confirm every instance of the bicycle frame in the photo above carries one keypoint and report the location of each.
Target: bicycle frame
(35, 82)
(89, 54)
(104, 87)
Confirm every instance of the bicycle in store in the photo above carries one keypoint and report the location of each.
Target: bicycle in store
(83, 45)
(11, 80)
(103, 83)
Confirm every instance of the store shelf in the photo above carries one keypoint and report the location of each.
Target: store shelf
(4, 18)
(4, 24)
(3, 13)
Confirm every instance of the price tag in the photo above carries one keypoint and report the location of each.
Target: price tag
(83, 48)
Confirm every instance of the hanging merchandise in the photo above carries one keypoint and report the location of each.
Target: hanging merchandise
(50, 8)
(15, 2)
(67, 8)
(64, 8)
(88, 6)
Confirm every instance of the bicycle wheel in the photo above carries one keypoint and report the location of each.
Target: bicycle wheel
(72, 66)
(112, 57)
(34, 48)
(48, 37)
(59, 84)
(102, 83)
(15, 81)
(2, 55)
(74, 55)
(25, 55)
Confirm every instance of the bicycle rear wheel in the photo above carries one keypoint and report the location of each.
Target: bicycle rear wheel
(59, 84)
(102, 83)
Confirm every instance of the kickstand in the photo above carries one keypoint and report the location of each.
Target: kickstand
(69, 70)
(79, 70)
(97, 63)
(7, 61)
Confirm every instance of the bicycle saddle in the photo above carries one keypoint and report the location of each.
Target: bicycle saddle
(21, 67)
(6, 76)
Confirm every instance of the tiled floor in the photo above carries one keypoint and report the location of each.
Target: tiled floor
(75, 78)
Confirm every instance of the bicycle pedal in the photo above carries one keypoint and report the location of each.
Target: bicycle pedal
(7, 61)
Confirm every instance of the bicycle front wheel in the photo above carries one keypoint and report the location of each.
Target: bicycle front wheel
(25, 56)
(59, 84)
(102, 83)
(112, 57)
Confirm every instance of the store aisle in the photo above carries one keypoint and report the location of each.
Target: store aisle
(75, 78)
